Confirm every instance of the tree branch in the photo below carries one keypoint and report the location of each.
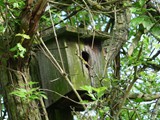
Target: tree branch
(155, 110)
(69, 16)
(152, 65)
(144, 97)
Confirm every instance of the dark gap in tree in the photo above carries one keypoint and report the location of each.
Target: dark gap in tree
(85, 56)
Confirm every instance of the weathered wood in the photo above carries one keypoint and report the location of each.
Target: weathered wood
(70, 32)
(83, 62)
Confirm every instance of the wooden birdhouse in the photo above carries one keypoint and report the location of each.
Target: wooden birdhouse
(83, 60)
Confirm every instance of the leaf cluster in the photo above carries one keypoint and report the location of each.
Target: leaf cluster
(28, 95)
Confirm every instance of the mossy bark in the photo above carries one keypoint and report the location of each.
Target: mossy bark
(119, 37)
(15, 77)
(15, 71)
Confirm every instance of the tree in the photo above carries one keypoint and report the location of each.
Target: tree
(131, 54)
(21, 26)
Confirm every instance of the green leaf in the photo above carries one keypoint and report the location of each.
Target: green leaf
(23, 36)
(144, 20)
(138, 100)
(84, 102)
(44, 96)
(13, 49)
(147, 23)
(101, 112)
(33, 90)
(1, 3)
(21, 54)
(89, 89)
(92, 96)
(155, 31)
(133, 9)
(15, 5)
(22, 90)
(138, 9)
(19, 49)
(142, 2)
(136, 21)
(32, 83)
(100, 91)
(19, 46)
(19, 93)
(34, 97)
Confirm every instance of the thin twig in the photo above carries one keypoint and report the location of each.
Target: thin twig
(59, 3)
(54, 30)
(67, 17)
(66, 97)
(92, 23)
(155, 110)
(44, 109)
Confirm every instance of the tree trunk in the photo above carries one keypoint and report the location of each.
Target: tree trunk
(119, 37)
(15, 72)
(17, 108)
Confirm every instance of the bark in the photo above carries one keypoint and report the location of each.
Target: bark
(15, 71)
(17, 108)
(119, 37)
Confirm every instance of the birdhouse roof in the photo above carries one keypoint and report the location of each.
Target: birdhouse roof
(83, 34)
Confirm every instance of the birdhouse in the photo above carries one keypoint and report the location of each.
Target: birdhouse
(83, 61)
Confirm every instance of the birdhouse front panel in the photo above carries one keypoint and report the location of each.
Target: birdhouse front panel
(83, 63)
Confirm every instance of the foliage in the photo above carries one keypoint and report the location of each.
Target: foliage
(28, 95)
(19, 49)
(147, 77)
(133, 92)
(148, 22)
(94, 93)
(96, 106)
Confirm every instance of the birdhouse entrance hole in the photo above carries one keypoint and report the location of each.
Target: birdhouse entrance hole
(86, 56)
(86, 70)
